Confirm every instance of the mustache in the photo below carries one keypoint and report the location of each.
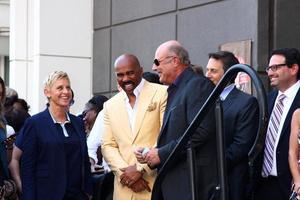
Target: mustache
(127, 82)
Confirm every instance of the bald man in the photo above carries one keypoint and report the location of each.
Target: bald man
(132, 118)
(187, 92)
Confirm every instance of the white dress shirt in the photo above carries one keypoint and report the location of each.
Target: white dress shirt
(132, 110)
(94, 139)
(287, 102)
(226, 91)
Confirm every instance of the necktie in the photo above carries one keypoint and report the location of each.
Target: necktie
(271, 136)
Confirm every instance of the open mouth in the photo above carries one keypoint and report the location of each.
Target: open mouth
(128, 86)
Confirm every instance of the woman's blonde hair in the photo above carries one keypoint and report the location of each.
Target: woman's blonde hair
(54, 76)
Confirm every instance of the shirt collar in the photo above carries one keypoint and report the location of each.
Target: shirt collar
(67, 121)
(137, 90)
(291, 92)
(226, 91)
(180, 77)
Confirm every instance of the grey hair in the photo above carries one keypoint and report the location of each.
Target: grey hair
(181, 52)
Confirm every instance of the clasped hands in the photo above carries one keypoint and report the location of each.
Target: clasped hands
(133, 179)
(149, 156)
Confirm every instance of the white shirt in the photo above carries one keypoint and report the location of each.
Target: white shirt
(62, 124)
(132, 110)
(9, 130)
(287, 102)
(94, 139)
(95, 136)
(226, 91)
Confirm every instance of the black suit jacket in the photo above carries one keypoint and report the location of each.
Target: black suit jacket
(283, 170)
(240, 115)
(192, 92)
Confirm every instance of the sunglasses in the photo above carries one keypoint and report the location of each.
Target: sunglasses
(275, 67)
(157, 62)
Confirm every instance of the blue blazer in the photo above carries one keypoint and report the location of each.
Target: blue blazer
(43, 167)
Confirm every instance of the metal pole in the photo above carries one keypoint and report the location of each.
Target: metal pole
(191, 161)
(221, 152)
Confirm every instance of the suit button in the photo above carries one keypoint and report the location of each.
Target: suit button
(278, 152)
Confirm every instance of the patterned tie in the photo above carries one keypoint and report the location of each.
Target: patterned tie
(271, 136)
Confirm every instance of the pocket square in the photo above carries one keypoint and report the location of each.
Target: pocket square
(151, 107)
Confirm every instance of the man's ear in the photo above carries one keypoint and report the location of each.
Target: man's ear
(176, 60)
(295, 68)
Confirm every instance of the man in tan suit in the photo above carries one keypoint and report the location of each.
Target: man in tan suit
(132, 119)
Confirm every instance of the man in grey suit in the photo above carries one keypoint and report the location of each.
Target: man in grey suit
(187, 92)
(240, 116)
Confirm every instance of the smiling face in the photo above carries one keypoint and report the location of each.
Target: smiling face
(128, 73)
(59, 93)
(167, 65)
(214, 70)
(283, 77)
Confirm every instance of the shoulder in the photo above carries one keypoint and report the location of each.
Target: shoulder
(200, 83)
(155, 88)
(37, 117)
(75, 118)
(244, 95)
(296, 114)
(115, 99)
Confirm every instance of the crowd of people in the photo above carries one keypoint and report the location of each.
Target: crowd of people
(116, 147)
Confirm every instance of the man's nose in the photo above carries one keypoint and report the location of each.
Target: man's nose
(154, 67)
(207, 74)
(270, 72)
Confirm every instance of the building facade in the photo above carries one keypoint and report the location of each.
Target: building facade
(202, 26)
(84, 37)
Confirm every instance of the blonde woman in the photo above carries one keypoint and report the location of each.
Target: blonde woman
(55, 162)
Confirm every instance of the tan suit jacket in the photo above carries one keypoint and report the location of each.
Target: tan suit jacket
(119, 141)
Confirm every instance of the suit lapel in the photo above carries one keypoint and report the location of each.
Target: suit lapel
(294, 106)
(53, 130)
(227, 103)
(145, 99)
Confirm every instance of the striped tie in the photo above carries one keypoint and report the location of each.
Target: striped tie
(271, 136)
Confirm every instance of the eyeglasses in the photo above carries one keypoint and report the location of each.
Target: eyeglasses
(157, 62)
(275, 67)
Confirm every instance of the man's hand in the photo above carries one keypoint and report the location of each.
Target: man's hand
(152, 158)
(140, 156)
(130, 175)
(140, 185)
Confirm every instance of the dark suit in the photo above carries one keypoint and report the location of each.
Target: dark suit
(240, 114)
(284, 177)
(191, 93)
(43, 167)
